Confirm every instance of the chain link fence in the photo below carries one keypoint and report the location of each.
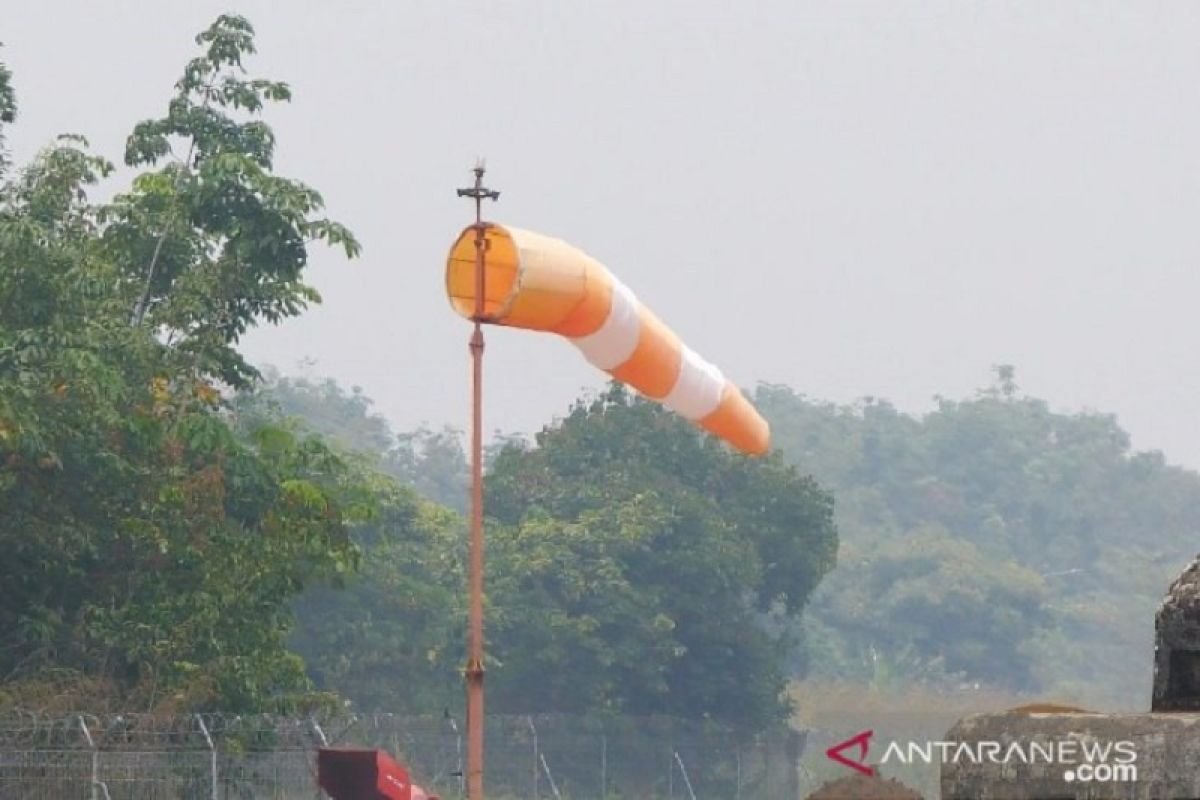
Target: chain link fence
(227, 757)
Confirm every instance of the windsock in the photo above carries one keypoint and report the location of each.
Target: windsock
(544, 284)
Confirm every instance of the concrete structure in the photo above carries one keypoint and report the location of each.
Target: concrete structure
(1166, 762)
(1046, 753)
(1177, 645)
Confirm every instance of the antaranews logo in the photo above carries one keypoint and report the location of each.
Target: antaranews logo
(1083, 760)
(861, 742)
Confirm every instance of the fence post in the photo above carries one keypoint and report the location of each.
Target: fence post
(737, 755)
(683, 771)
(549, 777)
(536, 756)
(98, 785)
(316, 726)
(95, 758)
(462, 778)
(603, 766)
(212, 756)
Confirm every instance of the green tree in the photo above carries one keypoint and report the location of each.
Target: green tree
(434, 463)
(8, 110)
(430, 461)
(391, 637)
(631, 559)
(938, 602)
(342, 417)
(1023, 491)
(214, 242)
(152, 546)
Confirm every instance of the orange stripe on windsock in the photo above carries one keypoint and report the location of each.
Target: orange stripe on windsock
(736, 421)
(654, 366)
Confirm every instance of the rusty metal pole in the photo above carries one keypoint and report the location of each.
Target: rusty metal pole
(473, 672)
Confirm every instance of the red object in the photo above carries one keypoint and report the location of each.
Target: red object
(348, 774)
(862, 742)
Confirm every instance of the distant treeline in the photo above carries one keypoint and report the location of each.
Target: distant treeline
(635, 566)
(991, 542)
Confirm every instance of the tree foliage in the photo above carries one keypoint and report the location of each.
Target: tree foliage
(634, 566)
(213, 241)
(391, 637)
(638, 559)
(992, 539)
(8, 109)
(430, 461)
(151, 544)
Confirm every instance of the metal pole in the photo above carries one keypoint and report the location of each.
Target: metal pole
(474, 671)
(474, 668)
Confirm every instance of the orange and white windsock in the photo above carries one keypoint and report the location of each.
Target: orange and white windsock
(542, 283)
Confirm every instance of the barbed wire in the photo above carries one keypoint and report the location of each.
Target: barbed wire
(139, 756)
(140, 731)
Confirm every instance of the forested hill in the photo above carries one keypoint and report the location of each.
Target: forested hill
(991, 540)
(635, 566)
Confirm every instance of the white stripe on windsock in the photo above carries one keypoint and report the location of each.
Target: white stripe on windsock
(614, 342)
(697, 390)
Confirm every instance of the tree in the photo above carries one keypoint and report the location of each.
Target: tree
(434, 463)
(649, 571)
(430, 461)
(214, 242)
(341, 417)
(151, 546)
(391, 637)
(939, 603)
(8, 109)
(1056, 504)
(631, 558)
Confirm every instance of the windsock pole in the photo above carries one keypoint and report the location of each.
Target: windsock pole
(473, 673)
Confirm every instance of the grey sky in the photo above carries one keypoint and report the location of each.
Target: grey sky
(851, 198)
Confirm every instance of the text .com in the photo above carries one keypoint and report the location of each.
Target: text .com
(1082, 760)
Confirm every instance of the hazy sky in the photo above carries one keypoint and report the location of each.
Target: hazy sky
(851, 198)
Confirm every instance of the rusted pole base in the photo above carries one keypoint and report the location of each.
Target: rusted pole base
(474, 676)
